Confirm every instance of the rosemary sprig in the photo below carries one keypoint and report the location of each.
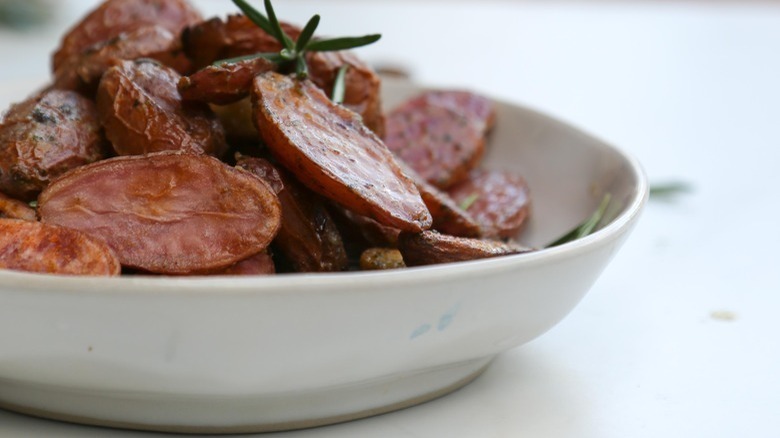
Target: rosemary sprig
(292, 54)
(340, 85)
(669, 190)
(469, 201)
(587, 226)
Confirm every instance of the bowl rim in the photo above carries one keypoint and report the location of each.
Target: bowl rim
(365, 280)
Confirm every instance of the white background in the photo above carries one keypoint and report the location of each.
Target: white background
(679, 338)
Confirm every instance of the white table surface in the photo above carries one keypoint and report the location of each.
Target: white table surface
(679, 338)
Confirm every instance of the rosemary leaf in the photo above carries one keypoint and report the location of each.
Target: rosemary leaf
(469, 201)
(293, 53)
(279, 33)
(342, 43)
(669, 190)
(255, 16)
(340, 84)
(307, 33)
(586, 227)
(301, 69)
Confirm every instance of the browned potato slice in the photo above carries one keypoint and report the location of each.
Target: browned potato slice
(83, 72)
(328, 148)
(14, 209)
(430, 248)
(142, 112)
(45, 136)
(216, 39)
(362, 93)
(474, 106)
(440, 135)
(225, 83)
(365, 230)
(36, 247)
(308, 237)
(448, 217)
(113, 17)
(380, 259)
(499, 201)
(258, 264)
(168, 213)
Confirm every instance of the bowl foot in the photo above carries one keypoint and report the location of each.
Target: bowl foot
(240, 414)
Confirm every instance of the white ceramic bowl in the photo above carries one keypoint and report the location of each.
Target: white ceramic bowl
(289, 351)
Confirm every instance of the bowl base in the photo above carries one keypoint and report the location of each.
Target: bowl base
(241, 414)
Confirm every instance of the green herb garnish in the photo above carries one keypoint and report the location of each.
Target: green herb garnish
(669, 190)
(469, 201)
(587, 226)
(340, 84)
(291, 57)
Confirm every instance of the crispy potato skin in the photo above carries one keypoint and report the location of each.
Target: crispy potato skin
(142, 112)
(308, 237)
(441, 135)
(259, 264)
(36, 247)
(113, 17)
(430, 248)
(223, 84)
(362, 93)
(168, 213)
(502, 201)
(216, 39)
(82, 72)
(14, 209)
(448, 216)
(327, 147)
(370, 231)
(476, 107)
(45, 136)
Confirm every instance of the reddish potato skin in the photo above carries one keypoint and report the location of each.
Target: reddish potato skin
(83, 72)
(217, 39)
(308, 237)
(371, 231)
(223, 84)
(167, 213)
(45, 136)
(214, 40)
(328, 148)
(36, 247)
(113, 17)
(474, 106)
(142, 112)
(14, 209)
(258, 264)
(448, 217)
(430, 248)
(362, 92)
(441, 135)
(503, 201)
